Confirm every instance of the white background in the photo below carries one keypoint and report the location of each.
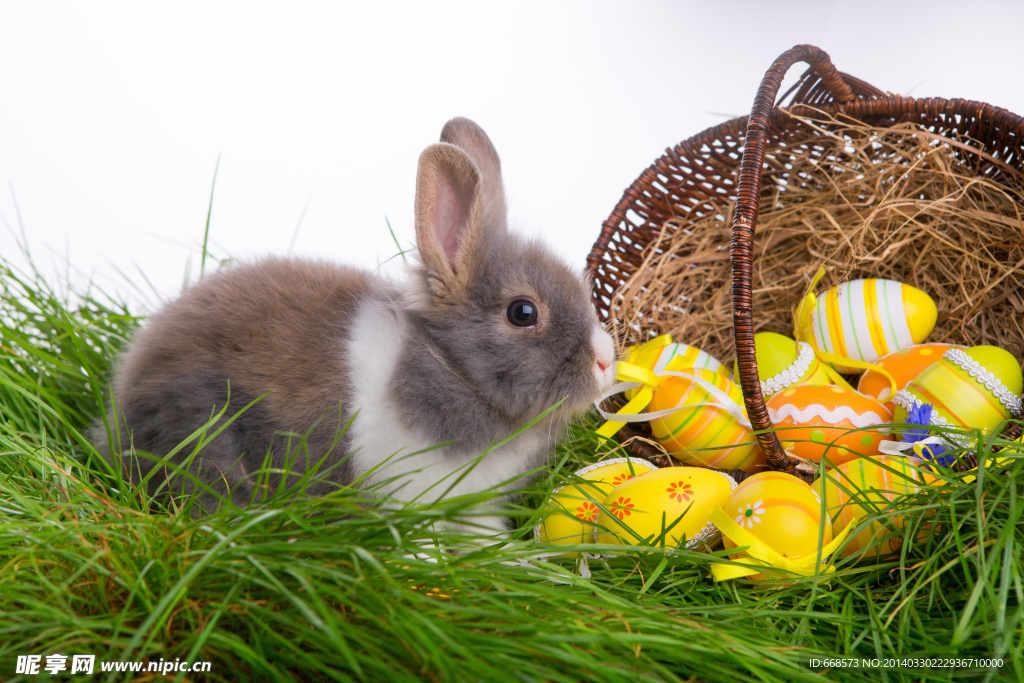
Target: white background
(113, 115)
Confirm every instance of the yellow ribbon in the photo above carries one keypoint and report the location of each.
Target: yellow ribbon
(995, 461)
(761, 553)
(630, 372)
(633, 376)
(802, 321)
(637, 403)
(658, 342)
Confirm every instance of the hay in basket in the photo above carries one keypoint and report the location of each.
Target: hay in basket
(890, 202)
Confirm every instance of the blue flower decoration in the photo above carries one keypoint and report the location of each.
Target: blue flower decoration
(922, 415)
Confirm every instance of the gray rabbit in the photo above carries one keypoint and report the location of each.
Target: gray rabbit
(488, 332)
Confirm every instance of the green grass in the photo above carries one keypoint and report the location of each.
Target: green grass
(306, 588)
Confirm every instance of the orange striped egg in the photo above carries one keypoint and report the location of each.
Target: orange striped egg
(664, 507)
(781, 510)
(874, 489)
(978, 387)
(571, 513)
(828, 421)
(904, 365)
(703, 432)
(867, 319)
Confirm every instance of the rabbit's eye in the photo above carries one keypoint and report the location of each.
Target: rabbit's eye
(522, 313)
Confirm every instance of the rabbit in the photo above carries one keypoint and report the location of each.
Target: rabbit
(398, 384)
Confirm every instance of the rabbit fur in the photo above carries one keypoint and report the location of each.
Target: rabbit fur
(427, 374)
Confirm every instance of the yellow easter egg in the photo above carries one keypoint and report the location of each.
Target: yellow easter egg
(704, 431)
(663, 507)
(904, 365)
(657, 358)
(978, 388)
(783, 362)
(782, 511)
(867, 319)
(816, 422)
(571, 513)
(671, 356)
(863, 486)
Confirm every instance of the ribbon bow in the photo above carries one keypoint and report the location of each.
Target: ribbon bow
(633, 376)
(761, 553)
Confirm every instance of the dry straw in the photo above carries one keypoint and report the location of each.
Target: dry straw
(892, 202)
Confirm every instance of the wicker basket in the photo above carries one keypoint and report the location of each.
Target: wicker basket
(701, 175)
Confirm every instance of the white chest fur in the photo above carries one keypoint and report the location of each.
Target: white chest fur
(405, 462)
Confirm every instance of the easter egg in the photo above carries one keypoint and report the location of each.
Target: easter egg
(867, 319)
(826, 421)
(904, 365)
(978, 387)
(873, 489)
(782, 363)
(671, 356)
(571, 512)
(704, 431)
(781, 510)
(663, 507)
(657, 358)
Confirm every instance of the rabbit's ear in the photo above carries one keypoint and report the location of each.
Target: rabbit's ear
(449, 215)
(472, 139)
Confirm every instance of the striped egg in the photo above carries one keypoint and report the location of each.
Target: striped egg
(867, 319)
(864, 486)
(978, 387)
(816, 422)
(904, 365)
(571, 513)
(781, 510)
(703, 432)
(667, 507)
(780, 364)
(658, 358)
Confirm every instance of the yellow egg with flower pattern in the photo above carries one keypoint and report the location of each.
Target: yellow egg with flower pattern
(570, 515)
(664, 507)
(783, 512)
(710, 427)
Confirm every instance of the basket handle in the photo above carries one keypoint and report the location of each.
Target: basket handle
(745, 219)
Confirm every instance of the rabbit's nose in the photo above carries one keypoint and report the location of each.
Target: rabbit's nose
(604, 349)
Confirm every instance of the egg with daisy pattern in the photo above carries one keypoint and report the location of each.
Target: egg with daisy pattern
(782, 511)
